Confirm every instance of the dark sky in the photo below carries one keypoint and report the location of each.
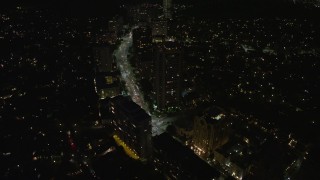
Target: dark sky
(72, 7)
(209, 7)
(75, 3)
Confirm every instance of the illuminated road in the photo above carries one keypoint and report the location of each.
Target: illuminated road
(159, 125)
(126, 71)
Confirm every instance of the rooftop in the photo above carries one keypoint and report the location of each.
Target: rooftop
(185, 157)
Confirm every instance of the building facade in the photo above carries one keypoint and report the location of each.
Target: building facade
(211, 131)
(167, 9)
(177, 161)
(167, 75)
(132, 127)
(103, 57)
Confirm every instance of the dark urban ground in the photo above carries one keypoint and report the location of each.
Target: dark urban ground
(259, 62)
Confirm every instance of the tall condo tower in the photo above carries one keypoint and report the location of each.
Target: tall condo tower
(167, 8)
(167, 74)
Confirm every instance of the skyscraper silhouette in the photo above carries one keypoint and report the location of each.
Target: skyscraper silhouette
(167, 8)
(168, 67)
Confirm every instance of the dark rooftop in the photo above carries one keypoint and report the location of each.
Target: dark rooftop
(101, 81)
(131, 108)
(190, 162)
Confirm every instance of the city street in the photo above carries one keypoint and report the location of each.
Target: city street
(159, 125)
(127, 74)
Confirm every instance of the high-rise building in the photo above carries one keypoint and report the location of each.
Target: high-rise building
(211, 131)
(167, 8)
(142, 45)
(167, 75)
(177, 161)
(132, 127)
(104, 59)
(142, 41)
(159, 30)
(115, 29)
(115, 24)
(107, 84)
(106, 81)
